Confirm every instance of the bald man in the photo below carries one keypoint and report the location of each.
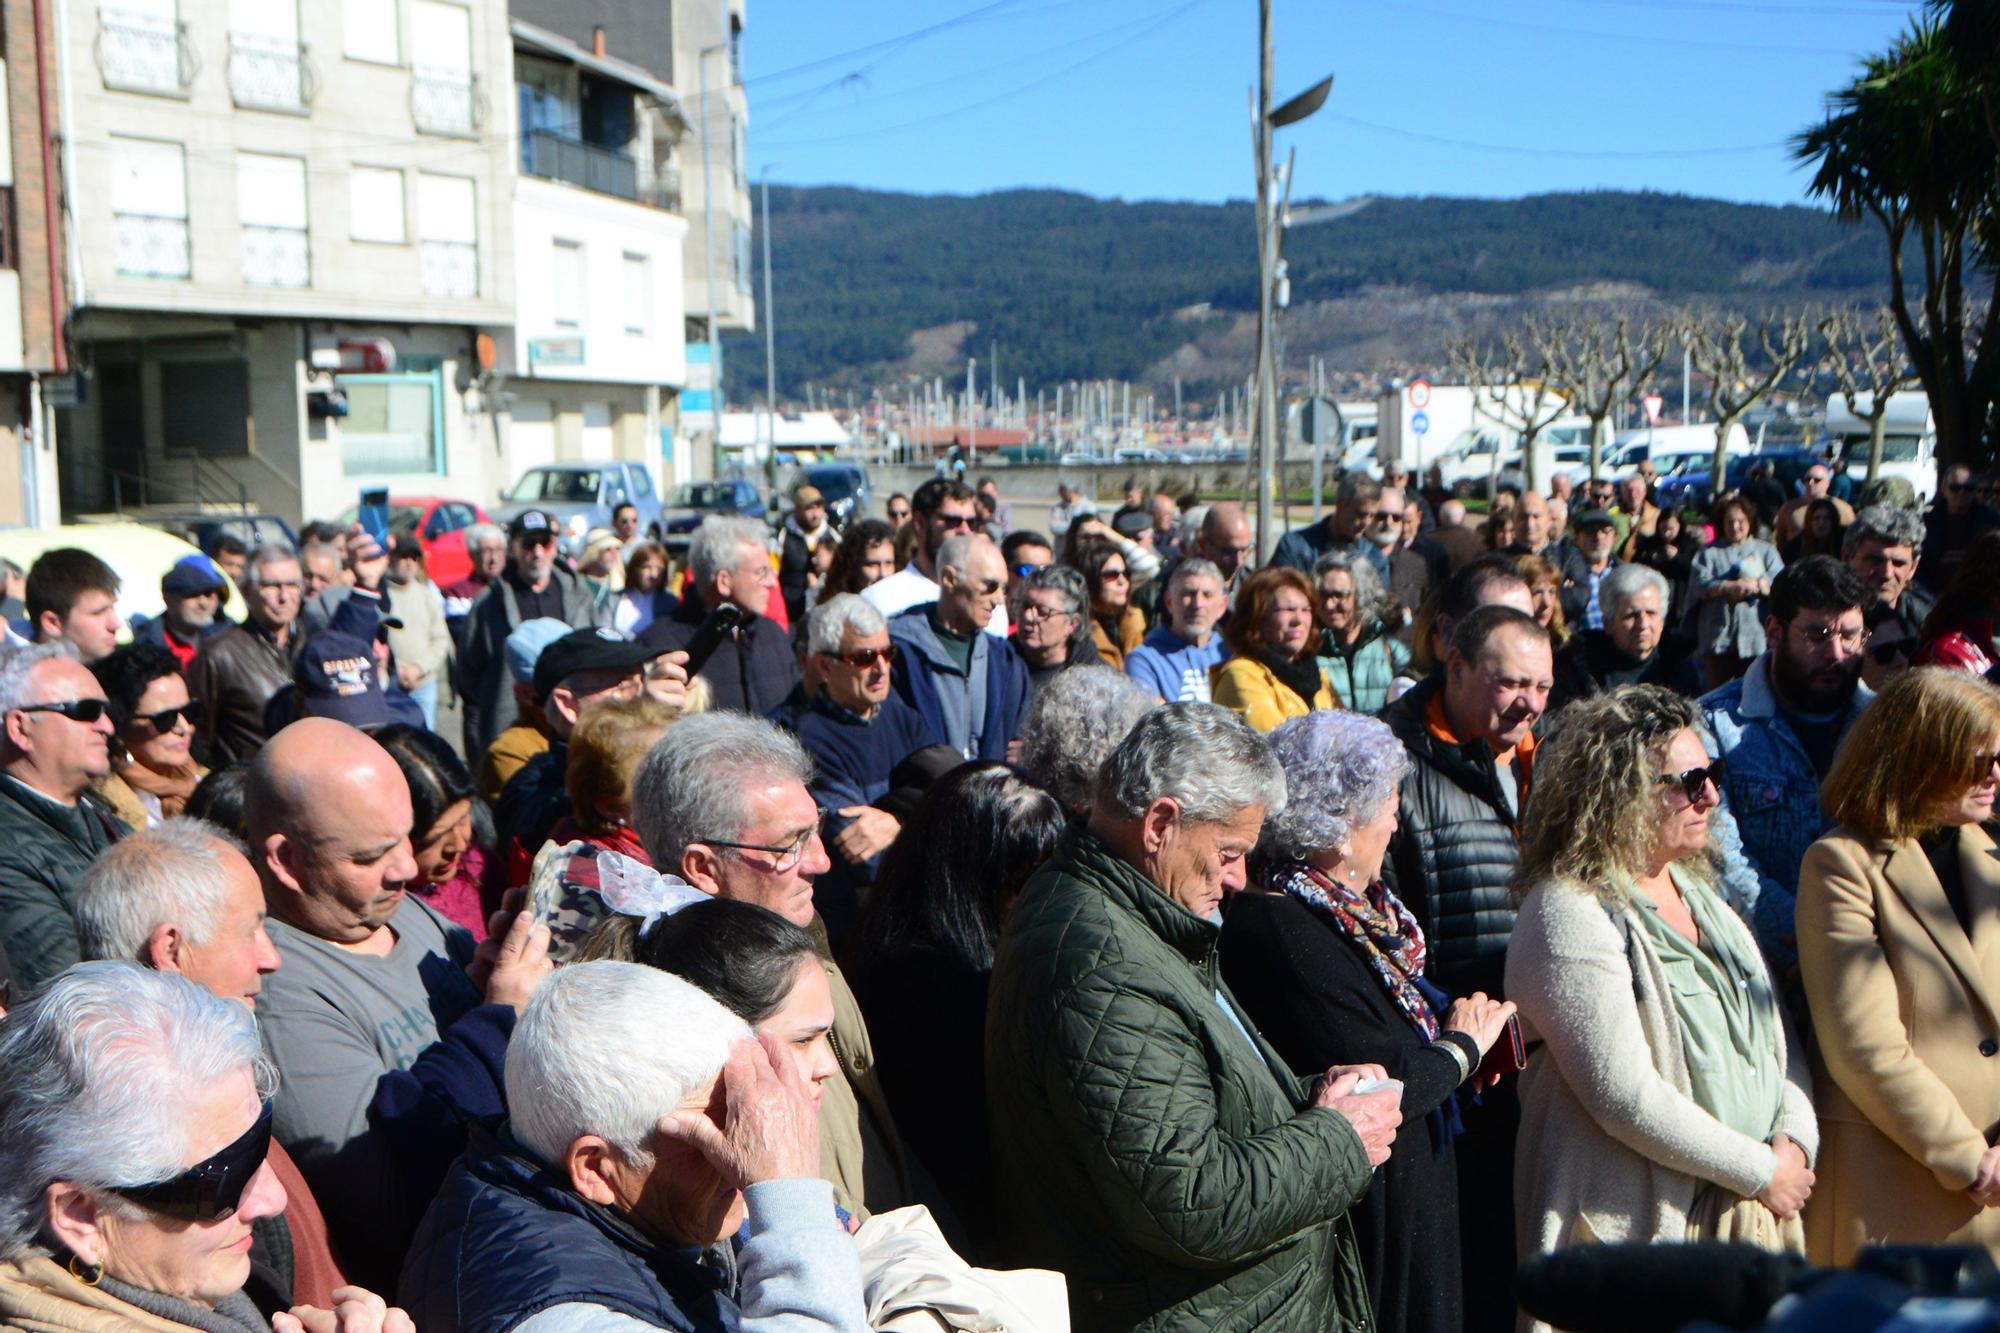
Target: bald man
(1223, 539)
(383, 1047)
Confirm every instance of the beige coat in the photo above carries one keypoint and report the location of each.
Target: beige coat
(1612, 1146)
(859, 1148)
(1908, 1037)
(40, 1296)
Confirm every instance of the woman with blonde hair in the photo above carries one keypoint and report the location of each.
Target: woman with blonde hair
(1666, 1101)
(1545, 583)
(1899, 948)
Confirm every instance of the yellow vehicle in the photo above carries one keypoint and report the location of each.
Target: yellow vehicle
(138, 554)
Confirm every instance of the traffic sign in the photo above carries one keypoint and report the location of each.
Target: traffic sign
(1420, 396)
(1421, 423)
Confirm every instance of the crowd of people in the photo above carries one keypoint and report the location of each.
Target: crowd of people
(939, 923)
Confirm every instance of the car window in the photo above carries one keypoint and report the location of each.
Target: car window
(642, 481)
(562, 486)
(835, 483)
(698, 495)
(439, 523)
(462, 516)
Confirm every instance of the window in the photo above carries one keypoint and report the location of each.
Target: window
(642, 480)
(637, 279)
(375, 205)
(139, 47)
(443, 96)
(449, 231)
(205, 408)
(739, 151)
(567, 294)
(149, 209)
(742, 257)
(271, 205)
(395, 424)
(266, 65)
(369, 31)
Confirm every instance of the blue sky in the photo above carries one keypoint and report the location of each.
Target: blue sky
(1146, 99)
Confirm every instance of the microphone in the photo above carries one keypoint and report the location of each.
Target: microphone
(1656, 1288)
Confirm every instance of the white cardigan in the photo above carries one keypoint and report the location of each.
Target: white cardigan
(1612, 1145)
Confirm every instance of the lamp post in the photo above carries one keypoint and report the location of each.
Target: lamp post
(770, 345)
(1269, 238)
(708, 249)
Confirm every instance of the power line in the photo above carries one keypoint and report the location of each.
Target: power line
(1748, 7)
(1520, 151)
(970, 16)
(1630, 39)
(1010, 95)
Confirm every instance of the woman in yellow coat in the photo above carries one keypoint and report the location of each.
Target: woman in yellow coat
(1273, 672)
(1899, 947)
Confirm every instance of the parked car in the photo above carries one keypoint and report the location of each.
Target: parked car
(581, 496)
(844, 486)
(693, 501)
(1690, 488)
(1139, 455)
(253, 530)
(439, 525)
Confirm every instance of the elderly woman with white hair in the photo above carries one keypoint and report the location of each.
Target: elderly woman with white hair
(1146, 1142)
(646, 1128)
(1358, 648)
(1073, 723)
(1330, 966)
(135, 1122)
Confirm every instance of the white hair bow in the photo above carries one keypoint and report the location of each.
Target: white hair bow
(633, 888)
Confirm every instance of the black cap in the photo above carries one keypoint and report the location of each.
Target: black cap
(587, 650)
(1593, 518)
(531, 520)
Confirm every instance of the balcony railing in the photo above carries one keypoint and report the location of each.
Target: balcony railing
(269, 74)
(558, 157)
(276, 257)
(444, 100)
(150, 247)
(450, 268)
(144, 53)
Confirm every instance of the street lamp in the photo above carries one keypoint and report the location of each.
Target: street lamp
(708, 250)
(1269, 243)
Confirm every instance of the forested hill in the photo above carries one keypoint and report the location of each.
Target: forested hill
(870, 285)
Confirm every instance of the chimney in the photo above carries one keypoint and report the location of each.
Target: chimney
(597, 42)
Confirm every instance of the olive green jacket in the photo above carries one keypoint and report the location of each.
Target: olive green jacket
(1171, 1167)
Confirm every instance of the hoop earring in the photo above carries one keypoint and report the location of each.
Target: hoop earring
(89, 1278)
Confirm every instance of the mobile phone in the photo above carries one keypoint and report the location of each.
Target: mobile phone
(373, 514)
(1509, 1054)
(722, 622)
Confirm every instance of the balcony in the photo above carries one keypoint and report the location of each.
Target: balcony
(268, 73)
(276, 257)
(150, 247)
(144, 53)
(450, 269)
(445, 100)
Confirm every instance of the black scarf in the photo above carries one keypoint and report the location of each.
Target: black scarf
(1300, 675)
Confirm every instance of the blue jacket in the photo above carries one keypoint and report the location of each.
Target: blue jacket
(1301, 548)
(976, 711)
(1770, 791)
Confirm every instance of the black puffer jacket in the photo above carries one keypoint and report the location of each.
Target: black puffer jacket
(44, 849)
(1454, 849)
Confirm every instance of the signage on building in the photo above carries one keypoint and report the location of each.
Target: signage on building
(64, 390)
(555, 351)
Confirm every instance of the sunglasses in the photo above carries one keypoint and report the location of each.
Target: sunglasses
(211, 1189)
(953, 520)
(168, 718)
(1957, 487)
(1387, 516)
(86, 711)
(1107, 575)
(1694, 782)
(863, 658)
(538, 538)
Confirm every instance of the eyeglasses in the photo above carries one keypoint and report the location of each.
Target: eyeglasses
(537, 539)
(953, 520)
(1107, 575)
(211, 1189)
(86, 711)
(1853, 640)
(899, 514)
(1387, 516)
(986, 587)
(788, 854)
(1694, 782)
(863, 658)
(168, 718)
(1958, 487)
(1037, 614)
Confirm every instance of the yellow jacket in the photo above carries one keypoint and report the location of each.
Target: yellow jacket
(1247, 686)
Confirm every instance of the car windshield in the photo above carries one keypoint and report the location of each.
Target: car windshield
(558, 485)
(702, 495)
(402, 518)
(835, 483)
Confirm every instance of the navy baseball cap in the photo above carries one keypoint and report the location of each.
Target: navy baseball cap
(335, 677)
(531, 522)
(588, 650)
(192, 575)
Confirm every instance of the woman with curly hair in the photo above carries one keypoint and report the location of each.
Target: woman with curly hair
(1274, 672)
(866, 555)
(153, 771)
(1330, 966)
(1666, 1101)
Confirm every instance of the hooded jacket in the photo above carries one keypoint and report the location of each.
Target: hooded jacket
(1147, 1142)
(977, 710)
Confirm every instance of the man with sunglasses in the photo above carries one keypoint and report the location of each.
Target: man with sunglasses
(944, 509)
(969, 686)
(858, 732)
(1954, 522)
(55, 741)
(1777, 729)
(531, 587)
(1345, 528)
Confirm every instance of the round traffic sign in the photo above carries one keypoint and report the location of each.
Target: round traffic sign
(1420, 395)
(1421, 423)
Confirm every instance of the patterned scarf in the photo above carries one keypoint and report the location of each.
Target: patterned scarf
(1378, 923)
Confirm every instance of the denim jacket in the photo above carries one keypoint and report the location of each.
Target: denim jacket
(1771, 794)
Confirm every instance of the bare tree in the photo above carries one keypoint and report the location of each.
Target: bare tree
(1718, 345)
(1511, 386)
(1598, 364)
(1867, 359)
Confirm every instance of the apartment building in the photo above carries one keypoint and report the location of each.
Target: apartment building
(32, 288)
(290, 244)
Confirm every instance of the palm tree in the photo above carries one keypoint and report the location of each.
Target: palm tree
(1907, 144)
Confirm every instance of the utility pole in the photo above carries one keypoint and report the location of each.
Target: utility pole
(770, 346)
(1264, 453)
(971, 405)
(708, 225)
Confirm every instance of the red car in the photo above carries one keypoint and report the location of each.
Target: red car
(440, 525)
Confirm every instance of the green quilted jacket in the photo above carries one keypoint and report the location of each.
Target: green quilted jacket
(1174, 1171)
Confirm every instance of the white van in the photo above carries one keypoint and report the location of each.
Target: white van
(1467, 464)
(1670, 449)
(1909, 440)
